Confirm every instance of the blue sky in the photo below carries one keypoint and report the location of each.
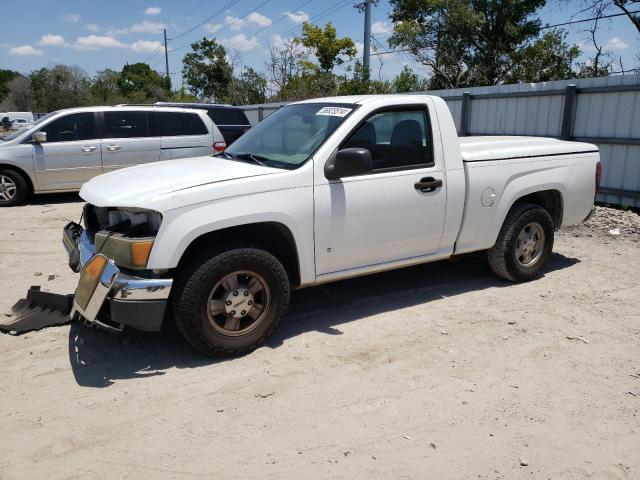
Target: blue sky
(98, 34)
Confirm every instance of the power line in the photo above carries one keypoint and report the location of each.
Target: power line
(546, 27)
(336, 6)
(208, 19)
(282, 17)
(587, 20)
(153, 54)
(237, 20)
(159, 48)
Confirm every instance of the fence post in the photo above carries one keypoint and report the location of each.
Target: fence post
(260, 114)
(465, 114)
(567, 112)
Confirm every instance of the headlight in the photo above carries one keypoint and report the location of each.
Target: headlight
(136, 219)
(129, 238)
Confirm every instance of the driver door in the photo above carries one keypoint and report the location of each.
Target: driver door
(383, 216)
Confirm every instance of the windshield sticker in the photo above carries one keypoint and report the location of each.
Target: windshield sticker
(334, 111)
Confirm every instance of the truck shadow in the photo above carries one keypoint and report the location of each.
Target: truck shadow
(98, 358)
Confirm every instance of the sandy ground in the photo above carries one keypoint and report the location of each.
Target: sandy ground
(440, 371)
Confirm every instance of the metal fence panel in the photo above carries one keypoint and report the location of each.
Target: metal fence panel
(604, 111)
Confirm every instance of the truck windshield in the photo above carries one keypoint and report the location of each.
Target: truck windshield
(289, 136)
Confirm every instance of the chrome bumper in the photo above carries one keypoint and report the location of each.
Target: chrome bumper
(129, 297)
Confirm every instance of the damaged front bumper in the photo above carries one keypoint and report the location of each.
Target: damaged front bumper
(108, 297)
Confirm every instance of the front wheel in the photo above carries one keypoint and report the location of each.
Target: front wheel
(524, 243)
(13, 188)
(229, 303)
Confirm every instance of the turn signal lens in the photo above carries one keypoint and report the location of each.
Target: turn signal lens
(140, 252)
(95, 266)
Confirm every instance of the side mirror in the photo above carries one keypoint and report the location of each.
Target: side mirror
(39, 137)
(349, 162)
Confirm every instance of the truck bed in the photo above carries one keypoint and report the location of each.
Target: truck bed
(478, 149)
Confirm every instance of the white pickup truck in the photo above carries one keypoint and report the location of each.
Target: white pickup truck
(321, 190)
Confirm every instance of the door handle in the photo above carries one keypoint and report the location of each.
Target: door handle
(89, 148)
(428, 184)
(113, 148)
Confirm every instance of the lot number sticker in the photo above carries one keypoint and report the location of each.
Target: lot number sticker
(334, 111)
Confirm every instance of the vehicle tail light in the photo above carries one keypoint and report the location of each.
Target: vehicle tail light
(219, 146)
(598, 176)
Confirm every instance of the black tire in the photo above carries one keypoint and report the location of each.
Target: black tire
(503, 258)
(196, 283)
(17, 196)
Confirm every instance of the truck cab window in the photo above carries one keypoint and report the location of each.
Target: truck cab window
(396, 139)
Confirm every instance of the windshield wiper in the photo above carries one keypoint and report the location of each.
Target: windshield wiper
(259, 159)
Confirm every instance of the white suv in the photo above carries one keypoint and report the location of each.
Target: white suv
(64, 149)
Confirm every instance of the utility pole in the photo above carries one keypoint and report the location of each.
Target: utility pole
(366, 56)
(166, 59)
(366, 60)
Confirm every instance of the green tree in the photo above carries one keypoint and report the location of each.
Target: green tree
(326, 45)
(548, 58)
(358, 84)
(467, 42)
(20, 97)
(247, 88)
(407, 81)
(282, 66)
(5, 77)
(361, 84)
(105, 88)
(139, 83)
(182, 96)
(59, 87)
(206, 70)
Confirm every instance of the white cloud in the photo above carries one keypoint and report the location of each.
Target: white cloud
(143, 27)
(70, 17)
(95, 42)
(147, 27)
(240, 42)
(380, 27)
(234, 23)
(146, 46)
(153, 11)
(297, 17)
(93, 27)
(212, 27)
(359, 49)
(259, 19)
(616, 43)
(50, 40)
(25, 50)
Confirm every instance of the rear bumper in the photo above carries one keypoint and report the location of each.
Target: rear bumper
(118, 299)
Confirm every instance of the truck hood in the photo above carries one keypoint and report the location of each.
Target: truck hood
(138, 186)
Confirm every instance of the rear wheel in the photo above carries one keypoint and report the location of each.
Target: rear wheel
(229, 303)
(524, 243)
(13, 188)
